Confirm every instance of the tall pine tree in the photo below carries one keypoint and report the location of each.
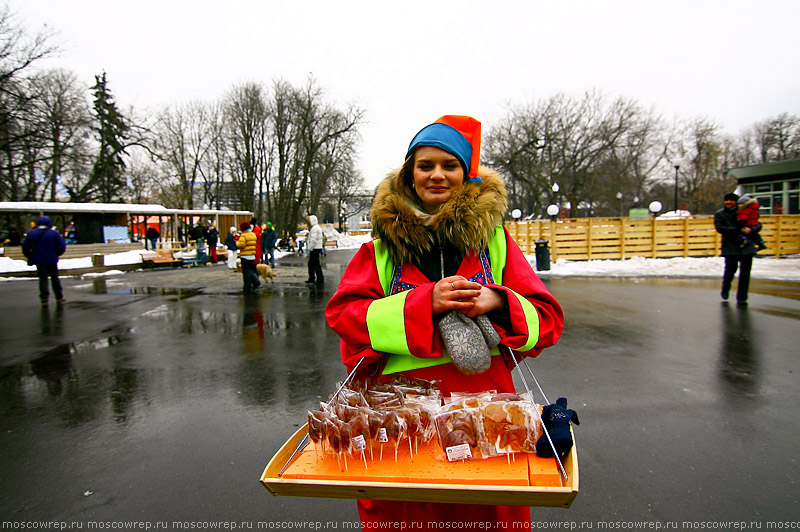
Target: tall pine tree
(107, 180)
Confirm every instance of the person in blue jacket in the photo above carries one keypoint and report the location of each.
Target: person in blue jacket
(43, 246)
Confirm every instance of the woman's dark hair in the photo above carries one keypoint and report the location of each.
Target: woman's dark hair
(407, 171)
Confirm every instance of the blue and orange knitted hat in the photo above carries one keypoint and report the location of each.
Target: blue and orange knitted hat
(456, 134)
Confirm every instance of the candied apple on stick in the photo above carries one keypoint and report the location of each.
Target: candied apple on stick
(376, 420)
(317, 430)
(395, 427)
(339, 442)
(357, 430)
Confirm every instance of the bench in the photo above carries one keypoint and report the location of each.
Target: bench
(161, 257)
(76, 251)
(331, 243)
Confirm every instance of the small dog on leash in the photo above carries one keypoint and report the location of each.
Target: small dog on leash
(265, 271)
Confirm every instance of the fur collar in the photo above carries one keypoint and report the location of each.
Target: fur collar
(466, 221)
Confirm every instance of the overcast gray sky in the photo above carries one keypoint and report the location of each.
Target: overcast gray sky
(409, 62)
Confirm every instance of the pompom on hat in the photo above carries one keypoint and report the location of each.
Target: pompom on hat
(456, 134)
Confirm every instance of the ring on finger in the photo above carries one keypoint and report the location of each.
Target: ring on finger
(453, 285)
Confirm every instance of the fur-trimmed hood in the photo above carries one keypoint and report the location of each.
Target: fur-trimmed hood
(465, 221)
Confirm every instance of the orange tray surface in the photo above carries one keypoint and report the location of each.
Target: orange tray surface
(524, 479)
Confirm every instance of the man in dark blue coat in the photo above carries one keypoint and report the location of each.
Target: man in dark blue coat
(43, 246)
(268, 240)
(736, 255)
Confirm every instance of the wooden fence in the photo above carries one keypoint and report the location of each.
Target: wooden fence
(622, 238)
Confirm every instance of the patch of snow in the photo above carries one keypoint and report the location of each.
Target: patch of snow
(766, 268)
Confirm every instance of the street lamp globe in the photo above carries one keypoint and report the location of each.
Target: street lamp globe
(516, 214)
(552, 210)
(655, 207)
(556, 188)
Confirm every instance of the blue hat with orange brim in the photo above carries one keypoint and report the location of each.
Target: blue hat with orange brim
(456, 134)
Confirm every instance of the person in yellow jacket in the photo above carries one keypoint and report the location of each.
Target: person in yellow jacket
(247, 253)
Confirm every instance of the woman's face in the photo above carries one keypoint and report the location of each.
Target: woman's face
(437, 174)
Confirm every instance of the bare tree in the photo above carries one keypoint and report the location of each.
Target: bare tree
(246, 114)
(282, 179)
(777, 138)
(704, 155)
(63, 113)
(590, 147)
(184, 135)
(144, 179)
(214, 164)
(322, 133)
(20, 141)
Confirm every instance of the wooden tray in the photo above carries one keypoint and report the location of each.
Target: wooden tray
(526, 481)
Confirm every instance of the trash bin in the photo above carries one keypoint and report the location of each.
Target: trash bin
(542, 255)
(97, 259)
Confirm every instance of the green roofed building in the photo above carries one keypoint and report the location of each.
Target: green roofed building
(776, 185)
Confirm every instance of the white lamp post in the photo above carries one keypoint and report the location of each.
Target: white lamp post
(655, 208)
(552, 210)
(516, 214)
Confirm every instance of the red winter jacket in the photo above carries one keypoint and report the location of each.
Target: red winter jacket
(748, 213)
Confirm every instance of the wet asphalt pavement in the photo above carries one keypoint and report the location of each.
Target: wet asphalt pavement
(160, 396)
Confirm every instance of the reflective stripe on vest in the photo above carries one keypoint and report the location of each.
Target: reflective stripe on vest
(385, 317)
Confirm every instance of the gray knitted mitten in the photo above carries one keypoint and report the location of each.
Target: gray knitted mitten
(466, 343)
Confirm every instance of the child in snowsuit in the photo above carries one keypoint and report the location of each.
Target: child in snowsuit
(747, 216)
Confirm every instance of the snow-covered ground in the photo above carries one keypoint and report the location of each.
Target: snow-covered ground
(767, 268)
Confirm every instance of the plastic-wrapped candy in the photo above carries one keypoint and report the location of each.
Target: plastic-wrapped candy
(317, 429)
(346, 412)
(508, 427)
(457, 400)
(396, 427)
(377, 431)
(426, 407)
(379, 399)
(338, 443)
(458, 432)
(356, 432)
(350, 397)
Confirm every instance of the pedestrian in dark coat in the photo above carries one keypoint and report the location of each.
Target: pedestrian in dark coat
(213, 238)
(152, 235)
(43, 246)
(737, 257)
(268, 240)
(230, 243)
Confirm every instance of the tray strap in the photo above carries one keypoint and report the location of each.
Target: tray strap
(510, 353)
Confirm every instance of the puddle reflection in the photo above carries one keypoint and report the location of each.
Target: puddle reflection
(740, 358)
(101, 286)
(53, 368)
(264, 352)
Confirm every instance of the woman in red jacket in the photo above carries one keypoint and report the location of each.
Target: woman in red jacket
(440, 246)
